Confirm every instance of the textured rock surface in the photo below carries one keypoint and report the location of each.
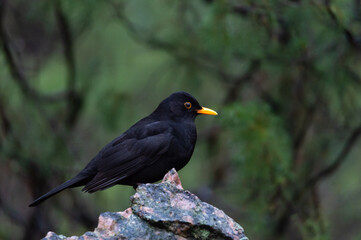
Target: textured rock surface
(163, 211)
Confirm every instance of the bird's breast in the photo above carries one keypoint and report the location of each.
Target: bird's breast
(182, 145)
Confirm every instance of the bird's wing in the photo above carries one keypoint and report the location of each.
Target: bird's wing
(135, 149)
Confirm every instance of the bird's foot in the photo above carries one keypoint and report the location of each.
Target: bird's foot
(136, 185)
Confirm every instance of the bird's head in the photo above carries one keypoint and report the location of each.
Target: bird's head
(182, 105)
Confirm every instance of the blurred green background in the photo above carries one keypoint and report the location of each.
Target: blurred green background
(283, 155)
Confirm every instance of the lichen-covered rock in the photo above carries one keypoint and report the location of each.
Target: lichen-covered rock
(163, 211)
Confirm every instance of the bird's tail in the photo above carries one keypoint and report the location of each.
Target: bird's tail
(74, 182)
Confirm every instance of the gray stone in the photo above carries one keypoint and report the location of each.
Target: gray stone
(163, 211)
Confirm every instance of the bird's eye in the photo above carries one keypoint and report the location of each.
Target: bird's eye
(188, 105)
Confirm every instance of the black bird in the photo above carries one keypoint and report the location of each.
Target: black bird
(145, 152)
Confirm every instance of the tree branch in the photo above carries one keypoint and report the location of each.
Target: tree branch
(15, 69)
(329, 170)
(283, 221)
(74, 99)
(300, 137)
(348, 34)
(5, 121)
(247, 75)
(202, 59)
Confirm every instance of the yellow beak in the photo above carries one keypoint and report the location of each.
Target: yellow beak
(207, 111)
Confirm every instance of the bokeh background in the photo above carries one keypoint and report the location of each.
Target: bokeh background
(283, 156)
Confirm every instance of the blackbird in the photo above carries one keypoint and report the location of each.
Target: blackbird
(146, 151)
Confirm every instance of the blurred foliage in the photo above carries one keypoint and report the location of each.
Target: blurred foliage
(282, 156)
(255, 127)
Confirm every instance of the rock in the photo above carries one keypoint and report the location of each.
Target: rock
(163, 211)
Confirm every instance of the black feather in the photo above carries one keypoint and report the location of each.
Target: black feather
(145, 152)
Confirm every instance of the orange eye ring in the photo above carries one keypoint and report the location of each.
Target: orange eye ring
(188, 105)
